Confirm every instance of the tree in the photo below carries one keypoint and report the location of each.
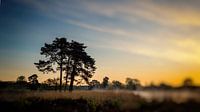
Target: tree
(80, 63)
(132, 83)
(105, 82)
(94, 84)
(70, 57)
(116, 84)
(52, 82)
(55, 55)
(21, 79)
(33, 81)
(188, 82)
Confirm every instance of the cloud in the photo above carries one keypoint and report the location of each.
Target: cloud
(162, 13)
(113, 31)
(172, 53)
(149, 28)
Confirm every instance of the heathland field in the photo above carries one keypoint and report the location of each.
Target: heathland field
(100, 101)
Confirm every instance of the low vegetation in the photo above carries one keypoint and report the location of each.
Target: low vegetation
(89, 101)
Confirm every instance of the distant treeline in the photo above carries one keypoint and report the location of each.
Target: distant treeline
(53, 84)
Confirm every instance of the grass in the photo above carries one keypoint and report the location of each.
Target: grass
(89, 101)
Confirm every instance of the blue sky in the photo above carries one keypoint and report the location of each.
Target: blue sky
(150, 40)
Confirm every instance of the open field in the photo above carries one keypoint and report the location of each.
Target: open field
(100, 101)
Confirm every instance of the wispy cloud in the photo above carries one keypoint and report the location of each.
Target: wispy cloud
(162, 13)
(150, 28)
(113, 31)
(166, 53)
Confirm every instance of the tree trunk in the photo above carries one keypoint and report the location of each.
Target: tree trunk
(72, 80)
(61, 76)
(66, 81)
(71, 83)
(67, 72)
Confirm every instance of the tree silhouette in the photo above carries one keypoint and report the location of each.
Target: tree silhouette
(70, 57)
(21, 79)
(188, 82)
(116, 84)
(132, 83)
(52, 82)
(94, 84)
(105, 82)
(80, 64)
(55, 55)
(33, 81)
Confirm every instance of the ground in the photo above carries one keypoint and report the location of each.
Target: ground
(91, 101)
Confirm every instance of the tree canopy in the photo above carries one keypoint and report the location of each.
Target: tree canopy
(68, 57)
(33, 81)
(21, 78)
(132, 83)
(105, 82)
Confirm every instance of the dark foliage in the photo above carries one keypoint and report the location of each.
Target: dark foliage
(33, 81)
(117, 84)
(55, 55)
(70, 57)
(105, 82)
(132, 84)
(94, 84)
(82, 64)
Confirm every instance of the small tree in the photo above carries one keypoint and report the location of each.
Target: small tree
(33, 81)
(117, 84)
(94, 84)
(52, 82)
(21, 79)
(105, 82)
(188, 82)
(132, 83)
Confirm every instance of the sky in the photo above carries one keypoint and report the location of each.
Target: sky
(151, 40)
